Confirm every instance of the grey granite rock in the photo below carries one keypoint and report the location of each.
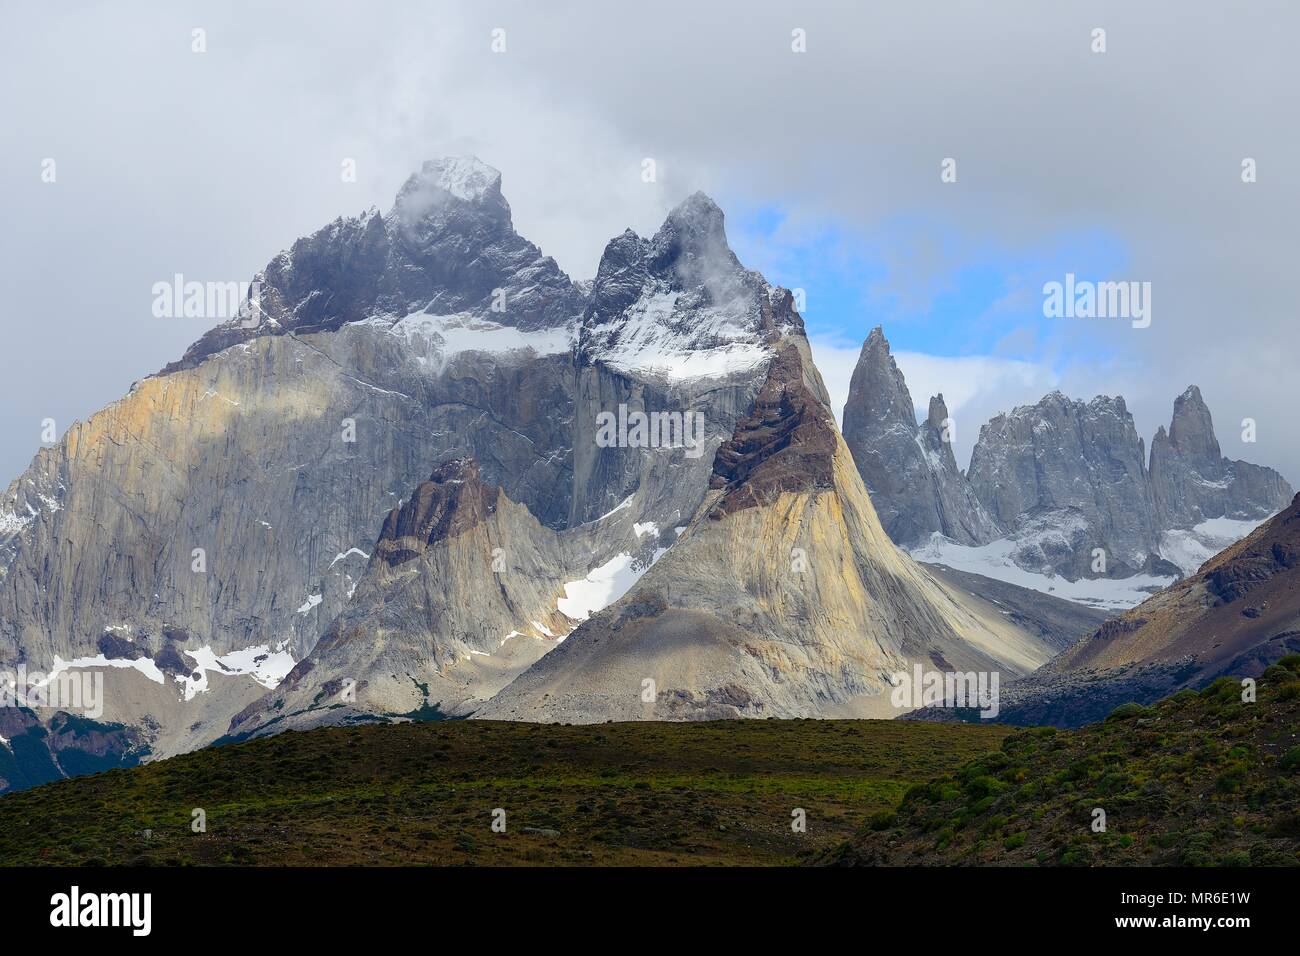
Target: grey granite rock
(1069, 477)
(1193, 481)
(909, 469)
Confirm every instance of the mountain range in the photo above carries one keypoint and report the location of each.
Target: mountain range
(425, 474)
(1059, 495)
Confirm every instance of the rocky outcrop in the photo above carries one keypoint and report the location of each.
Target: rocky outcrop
(462, 593)
(36, 750)
(909, 470)
(782, 597)
(449, 504)
(1075, 474)
(1192, 481)
(786, 444)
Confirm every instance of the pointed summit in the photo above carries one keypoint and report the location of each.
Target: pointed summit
(1192, 481)
(877, 391)
(447, 247)
(680, 305)
(693, 242)
(456, 181)
(808, 608)
(938, 413)
(909, 469)
(466, 177)
(1192, 428)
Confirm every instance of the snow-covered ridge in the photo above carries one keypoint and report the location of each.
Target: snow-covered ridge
(675, 335)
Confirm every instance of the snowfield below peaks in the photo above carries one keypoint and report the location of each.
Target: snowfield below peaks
(1190, 549)
(996, 560)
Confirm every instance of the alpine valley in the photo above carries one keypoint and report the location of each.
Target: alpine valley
(388, 492)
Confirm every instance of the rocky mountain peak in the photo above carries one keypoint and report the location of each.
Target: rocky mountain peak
(938, 412)
(444, 187)
(1192, 430)
(1066, 477)
(681, 305)
(1192, 480)
(451, 502)
(447, 247)
(692, 243)
(695, 223)
(466, 177)
(877, 391)
(909, 469)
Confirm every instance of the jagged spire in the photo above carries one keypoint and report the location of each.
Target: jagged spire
(1192, 429)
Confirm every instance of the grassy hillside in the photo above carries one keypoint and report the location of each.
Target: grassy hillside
(423, 793)
(1199, 778)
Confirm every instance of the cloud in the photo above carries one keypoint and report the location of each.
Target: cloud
(208, 164)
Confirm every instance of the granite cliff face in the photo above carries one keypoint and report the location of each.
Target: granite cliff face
(1076, 470)
(909, 470)
(1193, 482)
(462, 592)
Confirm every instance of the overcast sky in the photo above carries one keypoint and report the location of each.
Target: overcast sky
(1122, 165)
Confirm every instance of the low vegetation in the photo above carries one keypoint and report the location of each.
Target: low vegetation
(1201, 778)
(424, 793)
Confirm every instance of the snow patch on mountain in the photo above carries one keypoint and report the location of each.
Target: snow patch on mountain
(142, 664)
(996, 560)
(259, 662)
(603, 585)
(649, 338)
(435, 340)
(1189, 549)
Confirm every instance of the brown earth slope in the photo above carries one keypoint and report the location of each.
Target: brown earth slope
(1239, 613)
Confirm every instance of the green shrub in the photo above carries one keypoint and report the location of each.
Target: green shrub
(1291, 662)
(882, 820)
(1223, 688)
(1288, 691)
(1126, 711)
(1290, 761)
(1230, 780)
